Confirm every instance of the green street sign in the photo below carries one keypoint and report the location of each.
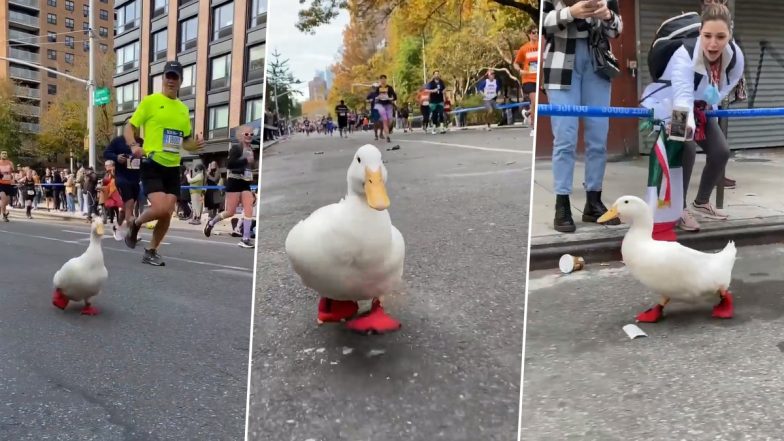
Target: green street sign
(102, 96)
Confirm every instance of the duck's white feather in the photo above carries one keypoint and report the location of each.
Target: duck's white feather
(347, 251)
(83, 277)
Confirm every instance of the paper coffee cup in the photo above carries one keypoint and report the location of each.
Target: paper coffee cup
(569, 263)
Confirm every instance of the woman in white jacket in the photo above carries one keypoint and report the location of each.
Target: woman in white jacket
(702, 73)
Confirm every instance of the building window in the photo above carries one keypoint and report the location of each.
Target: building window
(51, 54)
(157, 83)
(103, 32)
(51, 89)
(69, 5)
(218, 123)
(86, 10)
(51, 37)
(127, 17)
(69, 58)
(223, 21)
(69, 23)
(104, 48)
(188, 33)
(256, 62)
(258, 12)
(220, 72)
(52, 3)
(127, 97)
(159, 7)
(51, 74)
(127, 57)
(253, 109)
(51, 18)
(86, 46)
(104, 14)
(85, 28)
(69, 41)
(188, 86)
(160, 42)
(118, 130)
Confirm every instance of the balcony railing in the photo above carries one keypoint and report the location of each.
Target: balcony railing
(27, 92)
(26, 110)
(24, 55)
(18, 17)
(29, 3)
(25, 74)
(30, 127)
(23, 37)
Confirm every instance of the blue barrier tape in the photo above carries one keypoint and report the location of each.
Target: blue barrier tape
(477, 109)
(641, 112)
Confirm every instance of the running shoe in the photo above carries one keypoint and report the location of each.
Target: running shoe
(709, 211)
(246, 243)
(5, 217)
(208, 228)
(688, 222)
(118, 233)
(131, 236)
(152, 257)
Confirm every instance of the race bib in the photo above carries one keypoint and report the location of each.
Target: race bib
(383, 97)
(134, 163)
(533, 66)
(31, 192)
(247, 175)
(172, 140)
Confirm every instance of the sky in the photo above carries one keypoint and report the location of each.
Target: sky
(306, 53)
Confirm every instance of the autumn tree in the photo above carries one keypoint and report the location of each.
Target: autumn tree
(281, 82)
(10, 138)
(321, 12)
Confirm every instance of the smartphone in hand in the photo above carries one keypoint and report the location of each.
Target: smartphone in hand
(679, 124)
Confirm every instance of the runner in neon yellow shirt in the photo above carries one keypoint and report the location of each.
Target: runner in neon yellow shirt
(167, 129)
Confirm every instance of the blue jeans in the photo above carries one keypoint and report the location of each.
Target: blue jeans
(588, 89)
(70, 202)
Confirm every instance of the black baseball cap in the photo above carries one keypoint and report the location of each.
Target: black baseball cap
(173, 66)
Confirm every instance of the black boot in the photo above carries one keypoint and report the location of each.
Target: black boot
(563, 214)
(594, 208)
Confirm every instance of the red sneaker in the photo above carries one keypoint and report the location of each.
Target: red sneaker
(59, 299)
(724, 309)
(330, 310)
(651, 315)
(374, 322)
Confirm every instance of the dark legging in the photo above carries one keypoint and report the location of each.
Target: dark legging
(437, 114)
(425, 115)
(717, 153)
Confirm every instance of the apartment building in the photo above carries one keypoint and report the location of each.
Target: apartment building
(220, 43)
(53, 34)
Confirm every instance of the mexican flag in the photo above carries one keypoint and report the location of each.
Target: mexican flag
(665, 186)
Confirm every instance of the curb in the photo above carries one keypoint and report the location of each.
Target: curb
(745, 233)
(269, 144)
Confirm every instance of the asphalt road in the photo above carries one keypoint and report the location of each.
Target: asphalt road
(167, 358)
(453, 371)
(693, 378)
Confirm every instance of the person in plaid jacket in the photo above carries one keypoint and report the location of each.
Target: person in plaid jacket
(569, 79)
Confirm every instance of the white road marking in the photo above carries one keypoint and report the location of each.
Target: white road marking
(494, 172)
(39, 237)
(121, 250)
(473, 147)
(189, 239)
(234, 272)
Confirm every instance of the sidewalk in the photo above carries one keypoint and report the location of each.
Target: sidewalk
(755, 207)
(222, 229)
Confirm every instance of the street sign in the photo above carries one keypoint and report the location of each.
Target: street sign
(102, 96)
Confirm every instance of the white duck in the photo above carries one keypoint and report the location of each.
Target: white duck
(669, 268)
(82, 278)
(350, 251)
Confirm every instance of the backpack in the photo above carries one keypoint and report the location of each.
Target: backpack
(671, 35)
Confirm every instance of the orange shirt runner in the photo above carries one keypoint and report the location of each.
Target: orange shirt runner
(528, 58)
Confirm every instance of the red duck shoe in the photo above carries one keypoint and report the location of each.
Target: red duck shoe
(59, 299)
(330, 310)
(374, 322)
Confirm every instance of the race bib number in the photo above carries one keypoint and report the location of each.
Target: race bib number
(31, 192)
(172, 140)
(134, 163)
(248, 175)
(533, 66)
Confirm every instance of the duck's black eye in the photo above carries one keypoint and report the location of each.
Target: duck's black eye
(625, 202)
(359, 160)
